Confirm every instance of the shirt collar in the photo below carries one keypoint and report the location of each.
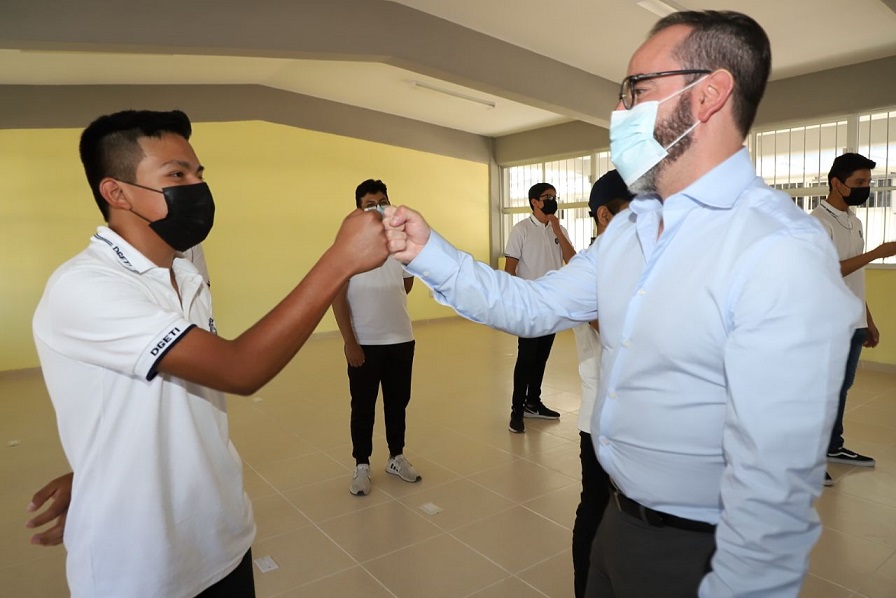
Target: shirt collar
(536, 222)
(718, 188)
(123, 252)
(834, 211)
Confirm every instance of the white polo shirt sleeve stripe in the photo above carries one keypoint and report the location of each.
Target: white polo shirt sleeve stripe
(160, 348)
(130, 334)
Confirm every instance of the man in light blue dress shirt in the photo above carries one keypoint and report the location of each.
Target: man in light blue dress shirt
(724, 326)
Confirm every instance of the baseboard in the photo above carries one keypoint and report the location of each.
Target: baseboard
(877, 367)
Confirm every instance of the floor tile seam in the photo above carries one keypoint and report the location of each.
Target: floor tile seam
(288, 591)
(347, 513)
(543, 466)
(478, 519)
(475, 439)
(572, 481)
(892, 552)
(531, 460)
(442, 533)
(575, 442)
(505, 497)
(545, 517)
(522, 581)
(565, 551)
(886, 426)
(826, 580)
(864, 583)
(280, 493)
(281, 490)
(862, 496)
(379, 504)
(847, 532)
(472, 481)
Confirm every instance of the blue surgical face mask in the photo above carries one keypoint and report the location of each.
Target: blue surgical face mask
(633, 147)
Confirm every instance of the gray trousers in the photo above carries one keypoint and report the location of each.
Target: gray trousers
(631, 559)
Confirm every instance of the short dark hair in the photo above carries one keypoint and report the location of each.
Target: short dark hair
(110, 145)
(536, 190)
(609, 191)
(370, 187)
(845, 165)
(722, 39)
(614, 206)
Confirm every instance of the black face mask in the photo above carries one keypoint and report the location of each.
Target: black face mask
(857, 195)
(191, 214)
(549, 206)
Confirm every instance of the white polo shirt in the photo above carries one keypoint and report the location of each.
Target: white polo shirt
(536, 247)
(158, 507)
(379, 305)
(589, 350)
(845, 230)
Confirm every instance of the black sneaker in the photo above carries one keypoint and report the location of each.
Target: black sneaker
(516, 424)
(844, 455)
(540, 411)
(828, 480)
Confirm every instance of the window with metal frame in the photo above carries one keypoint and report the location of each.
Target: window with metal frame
(797, 160)
(571, 177)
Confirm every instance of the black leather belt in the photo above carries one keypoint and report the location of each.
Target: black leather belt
(657, 518)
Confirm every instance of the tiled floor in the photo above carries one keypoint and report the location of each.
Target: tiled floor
(507, 500)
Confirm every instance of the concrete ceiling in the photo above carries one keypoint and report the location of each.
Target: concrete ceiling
(506, 67)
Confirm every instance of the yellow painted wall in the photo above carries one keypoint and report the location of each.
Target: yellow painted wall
(281, 193)
(880, 290)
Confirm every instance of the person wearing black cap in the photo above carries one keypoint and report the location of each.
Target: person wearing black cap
(609, 196)
(849, 184)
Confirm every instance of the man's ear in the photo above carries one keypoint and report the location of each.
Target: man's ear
(113, 193)
(604, 216)
(714, 93)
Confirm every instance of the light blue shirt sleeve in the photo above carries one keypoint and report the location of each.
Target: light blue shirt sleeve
(778, 415)
(527, 308)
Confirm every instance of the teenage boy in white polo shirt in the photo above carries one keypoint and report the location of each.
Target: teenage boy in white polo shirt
(535, 246)
(137, 374)
(372, 314)
(849, 184)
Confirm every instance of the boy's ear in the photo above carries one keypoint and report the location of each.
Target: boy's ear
(604, 216)
(113, 193)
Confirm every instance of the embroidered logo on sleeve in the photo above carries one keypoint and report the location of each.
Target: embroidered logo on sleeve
(166, 340)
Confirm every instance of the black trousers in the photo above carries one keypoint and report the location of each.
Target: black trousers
(239, 583)
(388, 366)
(631, 559)
(531, 359)
(593, 501)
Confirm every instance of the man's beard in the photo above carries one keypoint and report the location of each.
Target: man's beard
(665, 133)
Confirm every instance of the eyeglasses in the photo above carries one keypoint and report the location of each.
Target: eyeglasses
(627, 88)
(372, 205)
(544, 197)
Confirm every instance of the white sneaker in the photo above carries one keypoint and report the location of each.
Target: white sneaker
(400, 466)
(361, 480)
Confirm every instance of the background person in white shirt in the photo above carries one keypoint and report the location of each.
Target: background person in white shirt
(724, 329)
(609, 196)
(137, 373)
(849, 184)
(535, 246)
(372, 314)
